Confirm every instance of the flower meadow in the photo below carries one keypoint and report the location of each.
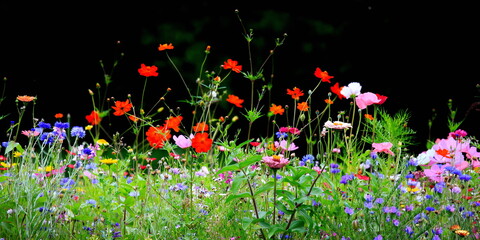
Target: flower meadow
(329, 163)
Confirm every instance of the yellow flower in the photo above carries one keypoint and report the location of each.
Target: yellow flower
(46, 169)
(7, 165)
(17, 154)
(88, 127)
(102, 142)
(109, 161)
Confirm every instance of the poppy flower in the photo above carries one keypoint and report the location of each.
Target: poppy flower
(233, 65)
(200, 127)
(353, 89)
(381, 98)
(157, 136)
(274, 109)
(235, 100)
(59, 115)
(366, 99)
(93, 118)
(122, 107)
(173, 123)
(322, 75)
(201, 142)
(383, 147)
(165, 46)
(148, 71)
(337, 90)
(303, 106)
(296, 93)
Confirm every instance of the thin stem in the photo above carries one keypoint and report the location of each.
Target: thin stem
(180, 74)
(254, 202)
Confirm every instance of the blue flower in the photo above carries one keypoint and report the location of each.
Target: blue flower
(77, 132)
(44, 125)
(62, 125)
(465, 177)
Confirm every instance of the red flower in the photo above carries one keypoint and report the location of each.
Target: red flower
(296, 93)
(362, 177)
(59, 115)
(274, 109)
(382, 98)
(173, 123)
(200, 127)
(336, 89)
(157, 136)
(122, 107)
(235, 100)
(148, 71)
(201, 142)
(233, 65)
(165, 47)
(322, 75)
(93, 118)
(303, 106)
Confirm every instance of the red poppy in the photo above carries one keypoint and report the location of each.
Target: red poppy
(148, 71)
(362, 177)
(200, 127)
(382, 99)
(336, 89)
(173, 123)
(296, 93)
(157, 136)
(235, 100)
(274, 109)
(165, 46)
(233, 65)
(322, 75)
(93, 118)
(201, 142)
(122, 107)
(59, 115)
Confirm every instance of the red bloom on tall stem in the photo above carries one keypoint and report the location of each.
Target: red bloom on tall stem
(148, 71)
(165, 46)
(93, 118)
(322, 75)
(277, 109)
(296, 93)
(174, 123)
(157, 136)
(235, 100)
(200, 127)
(201, 142)
(233, 65)
(122, 107)
(336, 89)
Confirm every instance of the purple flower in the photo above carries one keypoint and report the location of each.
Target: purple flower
(465, 177)
(379, 237)
(77, 132)
(348, 210)
(409, 230)
(430, 209)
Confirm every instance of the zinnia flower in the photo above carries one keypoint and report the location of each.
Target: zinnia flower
(157, 136)
(201, 142)
(122, 107)
(275, 161)
(233, 65)
(148, 71)
(235, 100)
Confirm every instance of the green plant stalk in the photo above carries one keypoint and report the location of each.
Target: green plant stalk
(254, 202)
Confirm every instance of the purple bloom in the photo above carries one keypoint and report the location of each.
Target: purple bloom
(409, 230)
(379, 237)
(346, 178)
(335, 170)
(465, 177)
(396, 222)
(77, 132)
(430, 209)
(348, 210)
(44, 125)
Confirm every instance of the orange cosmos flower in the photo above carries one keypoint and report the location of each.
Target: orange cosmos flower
(277, 109)
(165, 46)
(303, 106)
(58, 115)
(233, 65)
(173, 123)
(93, 118)
(122, 107)
(25, 98)
(201, 142)
(133, 118)
(328, 101)
(336, 89)
(368, 116)
(322, 75)
(157, 136)
(200, 127)
(296, 93)
(148, 71)
(235, 100)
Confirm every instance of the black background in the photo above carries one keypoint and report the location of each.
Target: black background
(419, 54)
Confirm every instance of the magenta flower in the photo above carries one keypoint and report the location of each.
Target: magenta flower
(285, 145)
(275, 161)
(435, 173)
(383, 147)
(366, 99)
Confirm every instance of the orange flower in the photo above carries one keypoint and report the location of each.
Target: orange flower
(122, 107)
(303, 106)
(157, 136)
(322, 75)
(133, 118)
(368, 116)
(58, 115)
(336, 89)
(93, 118)
(274, 109)
(200, 127)
(165, 46)
(25, 98)
(328, 101)
(233, 65)
(201, 142)
(235, 100)
(173, 123)
(148, 71)
(296, 93)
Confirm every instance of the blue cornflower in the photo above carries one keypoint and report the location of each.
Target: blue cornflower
(281, 135)
(465, 177)
(439, 187)
(47, 138)
(437, 230)
(379, 200)
(410, 175)
(409, 230)
(77, 132)
(91, 202)
(134, 194)
(308, 158)
(87, 151)
(66, 182)
(368, 205)
(346, 178)
(91, 166)
(62, 125)
(348, 210)
(430, 209)
(334, 165)
(44, 125)
(467, 214)
(335, 170)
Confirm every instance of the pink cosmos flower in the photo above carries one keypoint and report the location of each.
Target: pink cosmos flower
(275, 161)
(383, 147)
(182, 141)
(366, 99)
(435, 173)
(285, 145)
(352, 90)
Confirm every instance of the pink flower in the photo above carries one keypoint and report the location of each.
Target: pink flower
(435, 173)
(383, 147)
(275, 161)
(182, 141)
(285, 145)
(366, 99)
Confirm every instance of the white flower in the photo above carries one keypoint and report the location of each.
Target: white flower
(352, 90)
(337, 125)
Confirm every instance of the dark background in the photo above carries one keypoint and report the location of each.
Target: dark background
(418, 53)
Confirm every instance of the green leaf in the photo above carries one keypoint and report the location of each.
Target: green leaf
(263, 188)
(249, 161)
(11, 145)
(237, 182)
(235, 196)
